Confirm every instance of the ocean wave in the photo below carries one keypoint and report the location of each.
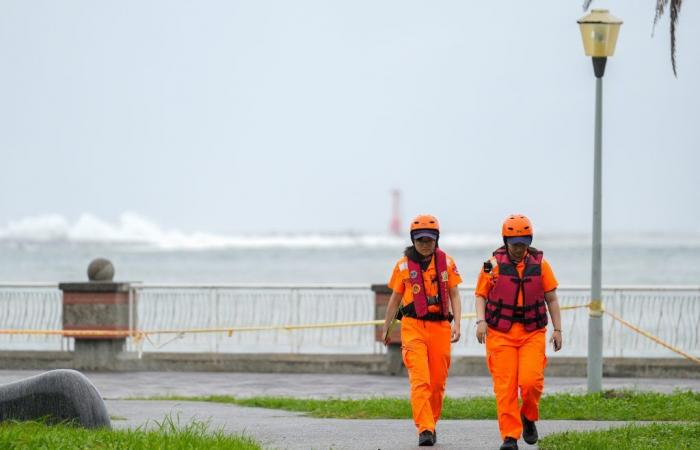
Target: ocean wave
(135, 230)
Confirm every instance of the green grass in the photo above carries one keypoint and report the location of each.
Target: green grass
(167, 435)
(609, 405)
(637, 437)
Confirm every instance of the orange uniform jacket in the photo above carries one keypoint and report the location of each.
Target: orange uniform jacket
(516, 359)
(425, 345)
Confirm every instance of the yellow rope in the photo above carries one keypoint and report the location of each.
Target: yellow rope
(139, 335)
(566, 308)
(101, 333)
(652, 337)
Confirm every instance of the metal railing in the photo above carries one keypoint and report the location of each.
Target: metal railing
(215, 306)
(31, 306)
(669, 312)
(672, 313)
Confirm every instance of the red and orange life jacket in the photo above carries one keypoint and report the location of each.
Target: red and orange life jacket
(502, 304)
(419, 307)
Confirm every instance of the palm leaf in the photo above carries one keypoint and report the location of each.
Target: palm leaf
(675, 11)
(661, 6)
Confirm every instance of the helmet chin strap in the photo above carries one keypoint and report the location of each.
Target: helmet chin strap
(510, 255)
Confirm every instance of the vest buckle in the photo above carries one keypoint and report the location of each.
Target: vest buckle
(432, 301)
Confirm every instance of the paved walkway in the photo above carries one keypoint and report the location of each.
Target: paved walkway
(115, 385)
(288, 430)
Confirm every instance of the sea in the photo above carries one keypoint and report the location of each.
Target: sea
(54, 249)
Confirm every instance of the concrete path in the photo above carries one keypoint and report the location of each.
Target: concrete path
(115, 385)
(287, 430)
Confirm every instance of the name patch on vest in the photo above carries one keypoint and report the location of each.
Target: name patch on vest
(445, 276)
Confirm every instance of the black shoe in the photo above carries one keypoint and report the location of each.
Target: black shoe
(435, 437)
(425, 439)
(509, 443)
(529, 430)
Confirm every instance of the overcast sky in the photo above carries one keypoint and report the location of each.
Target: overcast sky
(259, 116)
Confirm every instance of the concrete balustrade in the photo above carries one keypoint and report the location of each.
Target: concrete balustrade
(394, 362)
(102, 305)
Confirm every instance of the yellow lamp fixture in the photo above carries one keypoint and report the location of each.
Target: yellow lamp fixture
(599, 32)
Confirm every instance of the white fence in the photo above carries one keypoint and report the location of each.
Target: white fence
(672, 313)
(33, 306)
(201, 306)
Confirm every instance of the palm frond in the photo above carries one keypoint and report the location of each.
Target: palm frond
(661, 6)
(675, 11)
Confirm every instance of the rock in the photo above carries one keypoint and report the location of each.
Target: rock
(56, 396)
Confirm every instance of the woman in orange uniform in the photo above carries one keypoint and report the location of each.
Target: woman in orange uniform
(426, 298)
(516, 288)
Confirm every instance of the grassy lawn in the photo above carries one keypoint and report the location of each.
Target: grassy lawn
(196, 435)
(609, 405)
(637, 437)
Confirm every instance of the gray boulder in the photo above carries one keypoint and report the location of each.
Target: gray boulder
(56, 396)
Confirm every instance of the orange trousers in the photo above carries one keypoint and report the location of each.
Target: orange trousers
(425, 347)
(516, 359)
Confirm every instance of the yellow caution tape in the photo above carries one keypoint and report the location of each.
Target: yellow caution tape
(140, 335)
(72, 333)
(566, 308)
(652, 337)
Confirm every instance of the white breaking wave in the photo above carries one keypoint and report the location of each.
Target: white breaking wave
(132, 229)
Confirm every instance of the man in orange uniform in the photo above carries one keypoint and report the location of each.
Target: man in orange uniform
(513, 287)
(427, 299)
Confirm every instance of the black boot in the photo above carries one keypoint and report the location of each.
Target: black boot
(509, 443)
(425, 439)
(529, 430)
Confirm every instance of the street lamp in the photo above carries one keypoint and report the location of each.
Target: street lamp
(599, 32)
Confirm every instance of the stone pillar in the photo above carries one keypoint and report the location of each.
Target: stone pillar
(99, 304)
(382, 293)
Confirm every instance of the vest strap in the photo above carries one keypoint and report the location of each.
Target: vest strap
(410, 311)
(517, 309)
(493, 317)
(524, 321)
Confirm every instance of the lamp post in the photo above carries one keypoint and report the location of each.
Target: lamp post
(599, 32)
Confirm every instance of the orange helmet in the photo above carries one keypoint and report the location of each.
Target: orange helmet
(516, 225)
(425, 222)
